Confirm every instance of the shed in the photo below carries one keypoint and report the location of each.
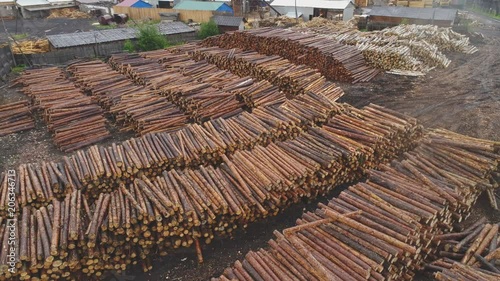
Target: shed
(381, 17)
(65, 47)
(342, 9)
(229, 23)
(41, 8)
(204, 6)
(7, 8)
(135, 4)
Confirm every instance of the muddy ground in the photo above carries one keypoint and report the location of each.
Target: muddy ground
(464, 98)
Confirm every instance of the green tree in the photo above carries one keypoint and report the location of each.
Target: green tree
(150, 38)
(208, 29)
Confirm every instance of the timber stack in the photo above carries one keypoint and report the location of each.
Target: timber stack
(402, 48)
(384, 228)
(134, 107)
(82, 232)
(15, 117)
(334, 60)
(72, 117)
(291, 79)
(474, 250)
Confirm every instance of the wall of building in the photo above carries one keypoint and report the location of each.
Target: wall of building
(7, 11)
(348, 13)
(6, 61)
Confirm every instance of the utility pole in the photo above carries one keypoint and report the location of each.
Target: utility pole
(296, 14)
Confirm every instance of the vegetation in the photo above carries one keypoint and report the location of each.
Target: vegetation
(208, 29)
(18, 69)
(20, 36)
(129, 46)
(149, 38)
(490, 13)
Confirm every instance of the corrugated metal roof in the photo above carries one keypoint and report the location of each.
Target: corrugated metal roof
(323, 4)
(4, 2)
(111, 35)
(198, 6)
(227, 20)
(414, 13)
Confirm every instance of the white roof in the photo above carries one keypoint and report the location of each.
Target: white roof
(323, 4)
(6, 1)
(27, 3)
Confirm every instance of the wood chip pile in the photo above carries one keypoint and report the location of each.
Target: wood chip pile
(472, 254)
(404, 47)
(72, 117)
(383, 229)
(29, 47)
(334, 60)
(86, 228)
(15, 117)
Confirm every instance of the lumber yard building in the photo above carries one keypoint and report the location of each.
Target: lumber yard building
(382, 17)
(341, 9)
(229, 23)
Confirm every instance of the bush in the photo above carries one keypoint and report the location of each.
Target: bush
(208, 29)
(129, 46)
(150, 39)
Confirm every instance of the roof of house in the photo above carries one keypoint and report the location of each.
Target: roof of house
(414, 13)
(111, 35)
(7, 2)
(52, 3)
(130, 3)
(227, 20)
(323, 4)
(199, 6)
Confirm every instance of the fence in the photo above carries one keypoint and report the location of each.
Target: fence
(154, 13)
(6, 61)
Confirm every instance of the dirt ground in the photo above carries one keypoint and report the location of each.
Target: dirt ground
(464, 98)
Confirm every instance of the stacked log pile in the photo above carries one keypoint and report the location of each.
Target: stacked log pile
(82, 232)
(383, 229)
(467, 273)
(15, 117)
(291, 79)
(134, 107)
(334, 60)
(475, 250)
(403, 47)
(72, 117)
(196, 88)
